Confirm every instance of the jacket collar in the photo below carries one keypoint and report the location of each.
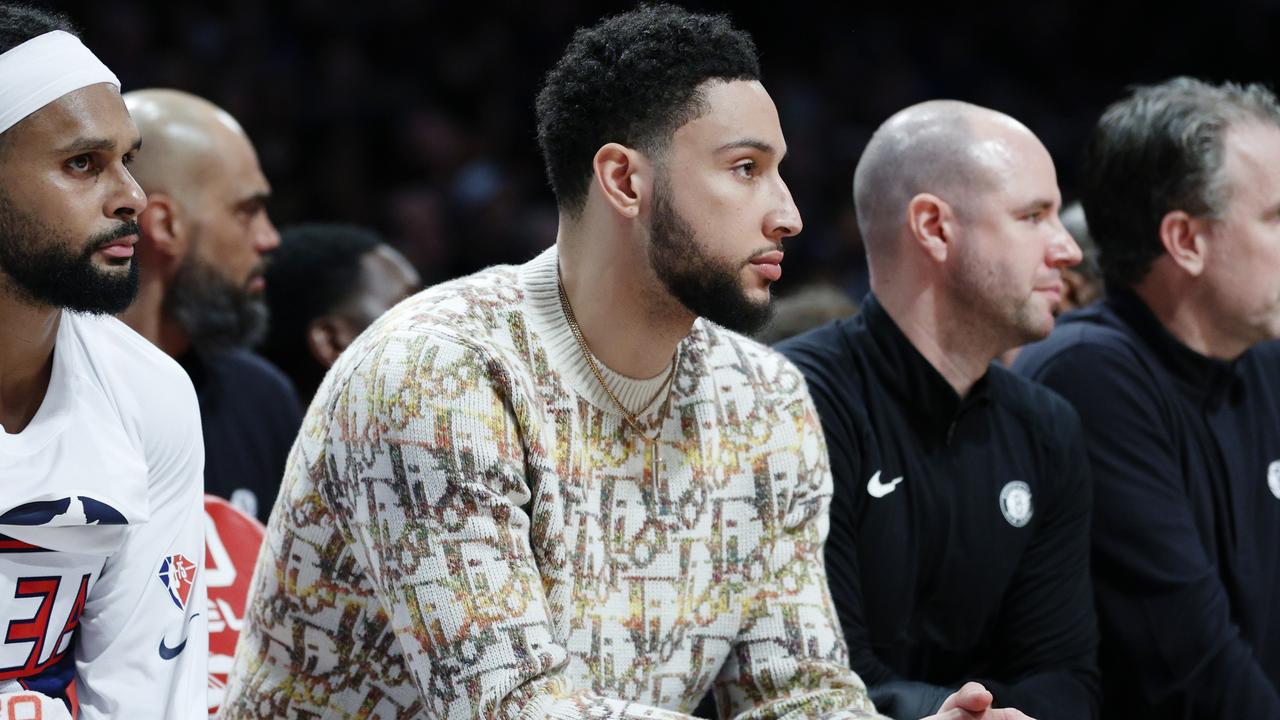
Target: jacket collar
(926, 397)
(1201, 376)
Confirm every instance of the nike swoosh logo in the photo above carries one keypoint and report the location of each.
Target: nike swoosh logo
(878, 489)
(169, 653)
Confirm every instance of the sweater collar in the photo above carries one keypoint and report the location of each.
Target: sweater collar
(539, 280)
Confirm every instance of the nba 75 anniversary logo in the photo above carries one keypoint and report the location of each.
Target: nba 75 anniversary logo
(178, 574)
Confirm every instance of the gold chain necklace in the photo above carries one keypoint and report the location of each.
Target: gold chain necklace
(629, 417)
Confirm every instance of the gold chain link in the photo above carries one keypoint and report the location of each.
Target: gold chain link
(631, 418)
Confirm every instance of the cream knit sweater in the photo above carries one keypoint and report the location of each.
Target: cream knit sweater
(468, 529)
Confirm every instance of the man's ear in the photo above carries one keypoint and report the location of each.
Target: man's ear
(932, 225)
(162, 227)
(1183, 238)
(624, 177)
(327, 337)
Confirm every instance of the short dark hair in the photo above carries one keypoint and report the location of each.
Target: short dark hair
(20, 23)
(632, 79)
(313, 272)
(1158, 150)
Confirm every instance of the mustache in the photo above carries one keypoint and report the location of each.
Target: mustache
(259, 268)
(764, 251)
(101, 240)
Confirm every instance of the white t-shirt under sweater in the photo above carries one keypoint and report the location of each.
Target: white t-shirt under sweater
(102, 532)
(468, 529)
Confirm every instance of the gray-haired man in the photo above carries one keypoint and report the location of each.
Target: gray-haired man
(1179, 393)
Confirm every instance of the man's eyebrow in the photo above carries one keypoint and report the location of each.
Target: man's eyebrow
(254, 200)
(90, 144)
(1035, 206)
(751, 143)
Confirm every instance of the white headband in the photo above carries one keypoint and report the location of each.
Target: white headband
(43, 69)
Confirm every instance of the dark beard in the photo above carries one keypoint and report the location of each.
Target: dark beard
(43, 270)
(706, 286)
(216, 313)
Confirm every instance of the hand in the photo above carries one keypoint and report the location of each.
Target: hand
(973, 702)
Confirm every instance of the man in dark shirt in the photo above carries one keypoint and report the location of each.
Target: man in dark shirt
(249, 415)
(326, 283)
(202, 252)
(1180, 397)
(959, 528)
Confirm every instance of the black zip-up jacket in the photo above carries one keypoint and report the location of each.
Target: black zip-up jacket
(959, 527)
(1185, 452)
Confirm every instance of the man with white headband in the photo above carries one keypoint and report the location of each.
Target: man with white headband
(101, 529)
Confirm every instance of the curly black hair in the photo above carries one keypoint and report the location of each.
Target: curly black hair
(20, 23)
(632, 79)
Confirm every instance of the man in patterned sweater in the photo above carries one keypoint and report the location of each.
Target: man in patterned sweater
(562, 489)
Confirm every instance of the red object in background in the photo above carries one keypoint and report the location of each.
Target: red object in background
(232, 539)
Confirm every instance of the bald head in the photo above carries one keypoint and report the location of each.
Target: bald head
(183, 138)
(950, 149)
(205, 233)
(958, 206)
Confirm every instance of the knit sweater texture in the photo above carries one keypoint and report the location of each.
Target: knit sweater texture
(469, 529)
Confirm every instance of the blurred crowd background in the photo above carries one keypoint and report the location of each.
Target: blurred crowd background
(414, 117)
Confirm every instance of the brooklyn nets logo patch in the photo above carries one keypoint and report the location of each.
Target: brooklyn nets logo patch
(1015, 503)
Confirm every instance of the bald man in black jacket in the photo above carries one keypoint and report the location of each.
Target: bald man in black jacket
(959, 525)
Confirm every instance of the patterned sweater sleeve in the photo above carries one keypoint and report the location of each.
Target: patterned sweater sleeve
(790, 660)
(425, 472)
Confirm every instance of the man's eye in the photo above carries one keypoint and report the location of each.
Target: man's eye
(746, 169)
(80, 163)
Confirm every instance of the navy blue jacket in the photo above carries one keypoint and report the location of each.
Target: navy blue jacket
(959, 526)
(250, 416)
(1185, 452)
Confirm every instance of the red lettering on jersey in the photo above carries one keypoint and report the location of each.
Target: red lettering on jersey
(73, 619)
(8, 544)
(16, 703)
(34, 629)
